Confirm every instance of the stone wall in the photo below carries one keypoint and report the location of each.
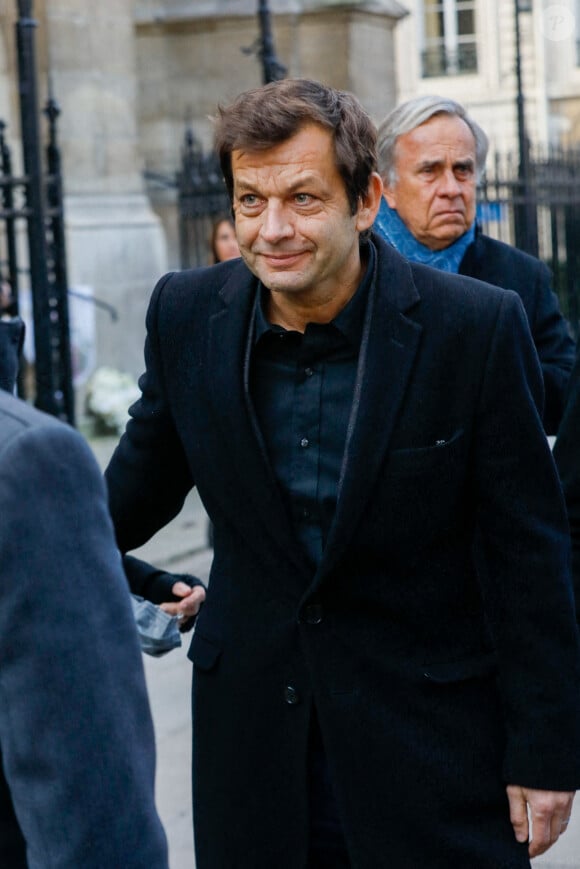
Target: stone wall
(116, 244)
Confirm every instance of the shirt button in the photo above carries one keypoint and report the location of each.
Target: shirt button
(313, 614)
(308, 372)
(291, 695)
(304, 442)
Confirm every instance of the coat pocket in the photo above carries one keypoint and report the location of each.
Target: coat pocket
(447, 672)
(204, 651)
(418, 460)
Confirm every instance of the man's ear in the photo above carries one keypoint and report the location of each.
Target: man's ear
(370, 203)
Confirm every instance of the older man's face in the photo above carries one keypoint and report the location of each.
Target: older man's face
(435, 188)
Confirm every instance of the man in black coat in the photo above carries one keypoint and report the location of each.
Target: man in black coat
(431, 153)
(370, 688)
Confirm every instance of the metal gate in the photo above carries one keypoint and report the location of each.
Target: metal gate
(52, 365)
(540, 216)
(202, 198)
(32, 237)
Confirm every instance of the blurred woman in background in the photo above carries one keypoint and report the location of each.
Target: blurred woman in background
(223, 242)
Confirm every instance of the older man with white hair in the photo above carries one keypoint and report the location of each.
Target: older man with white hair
(431, 155)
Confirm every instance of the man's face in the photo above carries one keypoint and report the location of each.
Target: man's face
(293, 220)
(435, 188)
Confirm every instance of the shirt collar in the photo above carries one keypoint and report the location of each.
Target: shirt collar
(349, 322)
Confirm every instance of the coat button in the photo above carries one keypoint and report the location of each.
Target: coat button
(291, 695)
(313, 614)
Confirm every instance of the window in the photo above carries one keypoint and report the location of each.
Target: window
(448, 38)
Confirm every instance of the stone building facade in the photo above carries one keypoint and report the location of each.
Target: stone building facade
(466, 49)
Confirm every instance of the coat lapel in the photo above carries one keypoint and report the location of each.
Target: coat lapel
(389, 345)
(229, 351)
(388, 349)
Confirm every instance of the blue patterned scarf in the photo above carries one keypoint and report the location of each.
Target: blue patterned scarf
(389, 226)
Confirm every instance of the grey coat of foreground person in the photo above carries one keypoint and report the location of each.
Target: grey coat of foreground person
(76, 736)
(387, 662)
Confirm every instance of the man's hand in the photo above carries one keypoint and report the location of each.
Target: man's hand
(188, 607)
(549, 816)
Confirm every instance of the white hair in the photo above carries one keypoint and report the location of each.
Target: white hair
(410, 115)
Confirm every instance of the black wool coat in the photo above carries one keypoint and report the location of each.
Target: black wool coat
(567, 456)
(505, 266)
(437, 638)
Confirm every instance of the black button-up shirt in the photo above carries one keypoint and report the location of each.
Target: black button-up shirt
(302, 387)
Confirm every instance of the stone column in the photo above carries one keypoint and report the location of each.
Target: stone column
(115, 243)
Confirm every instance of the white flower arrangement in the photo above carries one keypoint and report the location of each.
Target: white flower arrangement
(110, 393)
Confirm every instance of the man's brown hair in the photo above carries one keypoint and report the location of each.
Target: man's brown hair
(267, 116)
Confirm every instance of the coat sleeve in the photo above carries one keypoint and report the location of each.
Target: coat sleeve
(555, 348)
(76, 733)
(523, 559)
(567, 456)
(148, 477)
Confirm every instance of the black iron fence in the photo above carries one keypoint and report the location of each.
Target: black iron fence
(32, 236)
(34, 275)
(540, 214)
(202, 198)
